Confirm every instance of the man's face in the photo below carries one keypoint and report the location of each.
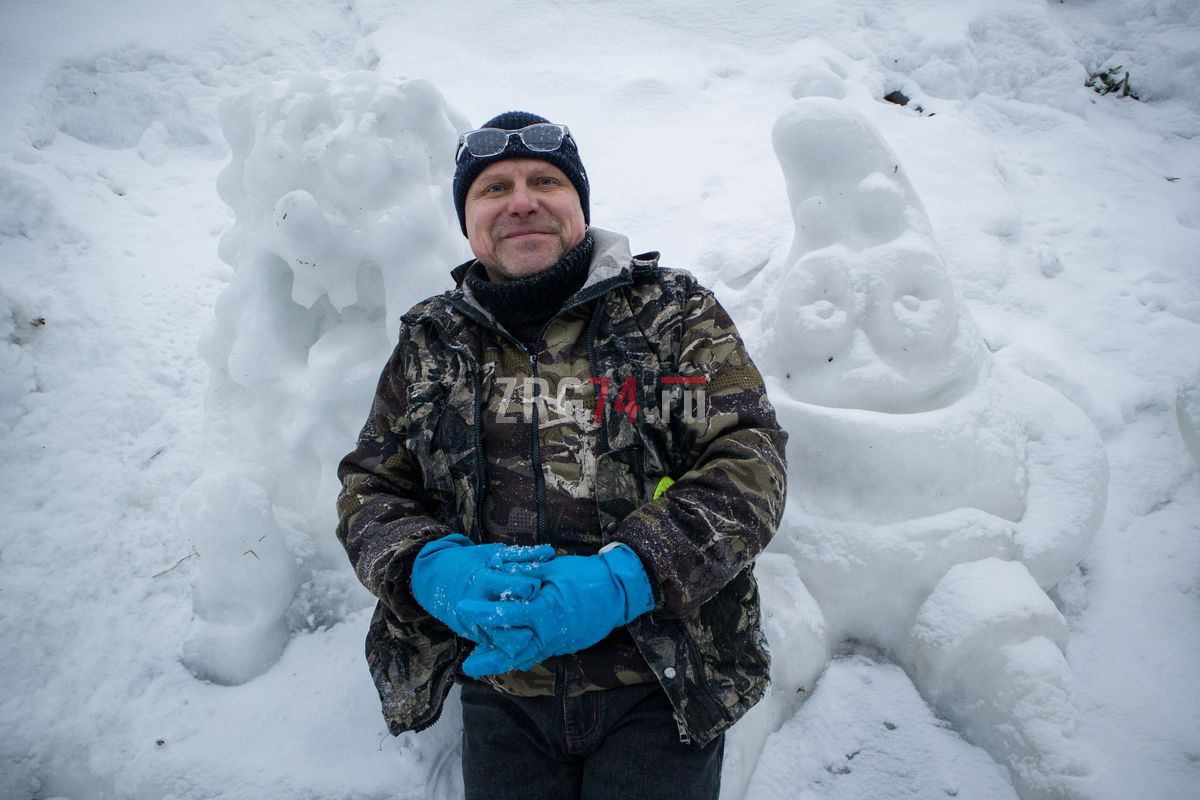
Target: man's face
(522, 215)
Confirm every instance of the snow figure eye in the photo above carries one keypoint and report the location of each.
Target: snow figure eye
(815, 314)
(912, 307)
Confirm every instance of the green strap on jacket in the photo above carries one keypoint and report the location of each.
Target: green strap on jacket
(664, 483)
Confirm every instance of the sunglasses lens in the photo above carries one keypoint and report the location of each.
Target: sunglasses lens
(486, 142)
(542, 137)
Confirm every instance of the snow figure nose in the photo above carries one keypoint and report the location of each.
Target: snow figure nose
(860, 352)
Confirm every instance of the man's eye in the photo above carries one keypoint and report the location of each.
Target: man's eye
(493, 188)
(546, 180)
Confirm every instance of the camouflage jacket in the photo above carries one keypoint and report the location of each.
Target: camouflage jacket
(665, 389)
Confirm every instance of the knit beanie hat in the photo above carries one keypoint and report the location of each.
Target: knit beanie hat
(566, 158)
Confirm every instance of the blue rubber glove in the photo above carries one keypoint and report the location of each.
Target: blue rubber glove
(581, 600)
(453, 569)
(509, 649)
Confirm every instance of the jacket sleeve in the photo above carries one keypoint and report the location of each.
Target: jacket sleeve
(724, 509)
(384, 512)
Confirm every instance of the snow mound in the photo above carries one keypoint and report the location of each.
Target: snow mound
(924, 474)
(26, 207)
(866, 732)
(977, 48)
(1154, 40)
(151, 89)
(339, 188)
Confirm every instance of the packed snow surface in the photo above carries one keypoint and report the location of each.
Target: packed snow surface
(977, 315)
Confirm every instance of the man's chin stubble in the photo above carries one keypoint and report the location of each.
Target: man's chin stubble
(509, 273)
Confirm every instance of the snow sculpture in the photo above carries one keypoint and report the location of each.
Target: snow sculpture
(935, 494)
(343, 219)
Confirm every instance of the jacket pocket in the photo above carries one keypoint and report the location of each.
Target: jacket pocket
(426, 409)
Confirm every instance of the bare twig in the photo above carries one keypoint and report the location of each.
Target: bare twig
(189, 556)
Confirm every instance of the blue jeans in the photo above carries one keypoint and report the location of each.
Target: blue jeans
(619, 743)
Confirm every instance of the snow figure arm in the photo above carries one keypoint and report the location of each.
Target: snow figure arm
(1067, 475)
(723, 510)
(384, 511)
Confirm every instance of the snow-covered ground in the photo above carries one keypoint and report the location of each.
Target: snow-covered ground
(979, 315)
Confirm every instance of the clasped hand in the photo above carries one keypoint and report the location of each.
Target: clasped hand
(522, 605)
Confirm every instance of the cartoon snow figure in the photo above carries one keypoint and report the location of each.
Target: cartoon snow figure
(342, 221)
(935, 494)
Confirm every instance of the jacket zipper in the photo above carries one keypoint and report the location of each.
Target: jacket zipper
(539, 479)
(535, 452)
(684, 738)
(480, 466)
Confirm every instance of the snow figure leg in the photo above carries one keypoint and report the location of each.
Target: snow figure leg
(987, 652)
(245, 580)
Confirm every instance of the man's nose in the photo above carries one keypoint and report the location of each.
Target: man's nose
(522, 201)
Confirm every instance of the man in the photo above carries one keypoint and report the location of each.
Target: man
(568, 470)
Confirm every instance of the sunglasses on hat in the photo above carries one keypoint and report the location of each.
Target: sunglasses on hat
(541, 137)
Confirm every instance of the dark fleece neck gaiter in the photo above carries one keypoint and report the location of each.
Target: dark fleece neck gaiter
(525, 305)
